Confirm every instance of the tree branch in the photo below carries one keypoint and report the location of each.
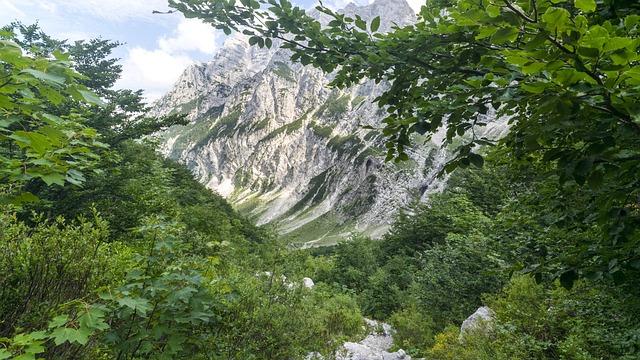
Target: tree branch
(520, 13)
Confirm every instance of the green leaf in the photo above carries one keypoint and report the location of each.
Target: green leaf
(535, 88)
(486, 31)
(624, 57)
(616, 43)
(476, 160)
(533, 67)
(91, 98)
(53, 134)
(493, 11)
(93, 319)
(71, 335)
(375, 24)
(631, 21)
(586, 5)
(596, 179)
(568, 278)
(58, 321)
(556, 19)
(589, 52)
(37, 142)
(46, 76)
(505, 34)
(137, 304)
(51, 95)
(53, 178)
(537, 40)
(583, 167)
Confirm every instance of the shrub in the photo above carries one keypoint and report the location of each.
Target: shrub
(413, 330)
(54, 262)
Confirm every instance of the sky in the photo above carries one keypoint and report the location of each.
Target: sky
(156, 48)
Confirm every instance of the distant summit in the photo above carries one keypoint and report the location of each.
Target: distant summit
(285, 149)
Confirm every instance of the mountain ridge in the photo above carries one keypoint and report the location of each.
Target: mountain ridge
(283, 148)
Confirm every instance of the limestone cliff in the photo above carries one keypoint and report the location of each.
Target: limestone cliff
(269, 135)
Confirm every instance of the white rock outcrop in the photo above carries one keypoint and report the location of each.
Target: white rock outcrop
(478, 321)
(374, 347)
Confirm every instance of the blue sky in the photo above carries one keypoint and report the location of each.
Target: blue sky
(157, 48)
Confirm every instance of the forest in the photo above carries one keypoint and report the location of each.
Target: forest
(110, 251)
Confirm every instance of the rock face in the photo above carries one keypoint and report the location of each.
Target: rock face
(479, 320)
(374, 347)
(285, 149)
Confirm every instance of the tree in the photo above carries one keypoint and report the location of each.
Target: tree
(36, 143)
(565, 73)
(122, 115)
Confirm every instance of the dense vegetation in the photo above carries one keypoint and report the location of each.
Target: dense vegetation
(109, 251)
(547, 233)
(471, 246)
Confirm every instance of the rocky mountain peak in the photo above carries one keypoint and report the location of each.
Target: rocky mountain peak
(284, 148)
(390, 11)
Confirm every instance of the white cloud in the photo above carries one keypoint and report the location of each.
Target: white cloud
(9, 11)
(152, 70)
(48, 7)
(112, 10)
(190, 35)
(156, 70)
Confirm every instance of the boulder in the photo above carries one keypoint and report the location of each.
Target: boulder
(308, 282)
(478, 321)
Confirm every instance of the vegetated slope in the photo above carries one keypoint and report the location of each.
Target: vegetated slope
(286, 149)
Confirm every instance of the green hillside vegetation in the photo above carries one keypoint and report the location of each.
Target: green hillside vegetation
(118, 253)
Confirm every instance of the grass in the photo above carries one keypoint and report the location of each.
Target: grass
(283, 70)
(350, 145)
(287, 129)
(335, 106)
(223, 127)
(320, 130)
(317, 192)
(358, 100)
(322, 231)
(192, 133)
(366, 154)
(262, 124)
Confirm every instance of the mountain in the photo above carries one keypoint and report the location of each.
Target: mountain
(285, 149)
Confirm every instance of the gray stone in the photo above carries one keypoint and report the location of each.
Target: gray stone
(308, 282)
(478, 321)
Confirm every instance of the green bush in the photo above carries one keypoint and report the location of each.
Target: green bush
(450, 279)
(413, 330)
(477, 346)
(165, 307)
(594, 320)
(277, 318)
(48, 265)
(355, 261)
